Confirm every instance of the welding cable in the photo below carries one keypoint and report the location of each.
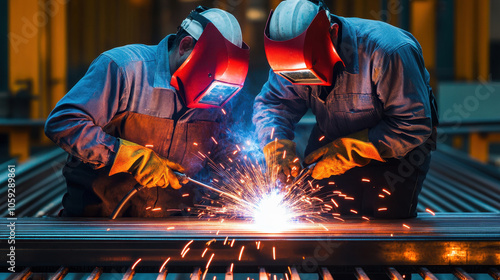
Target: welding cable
(125, 199)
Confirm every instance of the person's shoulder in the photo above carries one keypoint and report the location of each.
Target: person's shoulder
(381, 36)
(125, 55)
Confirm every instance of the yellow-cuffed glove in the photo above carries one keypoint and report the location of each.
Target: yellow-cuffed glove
(343, 154)
(148, 169)
(281, 157)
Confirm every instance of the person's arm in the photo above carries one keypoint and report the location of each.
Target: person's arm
(402, 87)
(277, 109)
(76, 122)
(278, 106)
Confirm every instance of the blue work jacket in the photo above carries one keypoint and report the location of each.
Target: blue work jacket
(384, 88)
(126, 93)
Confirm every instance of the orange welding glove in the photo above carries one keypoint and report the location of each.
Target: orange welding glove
(343, 154)
(281, 157)
(148, 169)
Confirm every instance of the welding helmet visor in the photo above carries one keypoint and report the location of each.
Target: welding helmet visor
(307, 59)
(214, 71)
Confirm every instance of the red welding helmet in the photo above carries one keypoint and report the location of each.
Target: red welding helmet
(307, 59)
(214, 71)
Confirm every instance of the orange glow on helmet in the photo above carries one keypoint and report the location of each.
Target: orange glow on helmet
(214, 71)
(307, 59)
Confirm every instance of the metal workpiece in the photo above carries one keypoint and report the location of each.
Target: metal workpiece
(444, 239)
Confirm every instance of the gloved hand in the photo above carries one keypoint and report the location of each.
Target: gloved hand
(281, 157)
(148, 169)
(343, 154)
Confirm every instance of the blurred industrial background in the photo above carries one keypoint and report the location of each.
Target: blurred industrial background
(46, 46)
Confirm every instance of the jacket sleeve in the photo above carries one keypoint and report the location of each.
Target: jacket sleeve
(403, 88)
(76, 123)
(278, 106)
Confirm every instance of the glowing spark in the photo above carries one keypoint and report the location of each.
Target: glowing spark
(209, 261)
(217, 233)
(430, 211)
(163, 265)
(149, 146)
(339, 218)
(136, 262)
(334, 202)
(225, 240)
(381, 196)
(386, 191)
(187, 245)
(215, 277)
(331, 183)
(170, 228)
(365, 218)
(184, 195)
(321, 138)
(108, 229)
(194, 143)
(231, 267)
(149, 207)
(211, 241)
(295, 160)
(156, 209)
(286, 276)
(223, 111)
(221, 221)
(238, 147)
(274, 253)
(349, 198)
(272, 133)
(323, 227)
(204, 252)
(185, 252)
(235, 151)
(406, 226)
(232, 243)
(241, 253)
(202, 155)
(272, 214)
(284, 154)
(365, 180)
(382, 209)
(215, 141)
(258, 245)
(354, 211)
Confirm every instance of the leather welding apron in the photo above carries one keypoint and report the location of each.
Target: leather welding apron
(401, 179)
(92, 193)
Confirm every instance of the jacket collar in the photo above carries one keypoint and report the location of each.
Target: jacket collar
(162, 74)
(348, 45)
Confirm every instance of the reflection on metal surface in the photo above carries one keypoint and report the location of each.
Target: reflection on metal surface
(426, 274)
(461, 274)
(326, 275)
(95, 274)
(60, 273)
(262, 274)
(361, 274)
(294, 275)
(394, 274)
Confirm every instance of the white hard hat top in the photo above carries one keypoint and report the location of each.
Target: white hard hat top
(225, 22)
(291, 18)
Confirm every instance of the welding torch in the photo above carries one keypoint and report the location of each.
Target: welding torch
(183, 179)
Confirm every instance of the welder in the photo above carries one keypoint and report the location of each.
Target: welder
(366, 83)
(142, 112)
